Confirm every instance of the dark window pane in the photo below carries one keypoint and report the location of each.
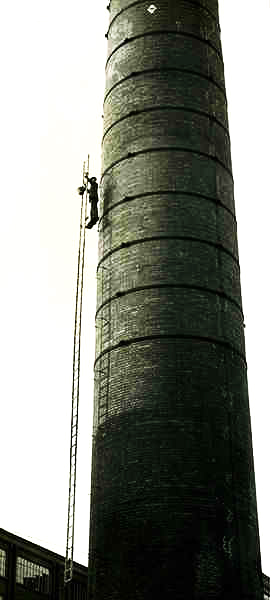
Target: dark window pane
(3, 557)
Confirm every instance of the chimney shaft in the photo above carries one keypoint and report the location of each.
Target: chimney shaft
(173, 505)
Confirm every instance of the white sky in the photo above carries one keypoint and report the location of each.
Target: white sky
(52, 75)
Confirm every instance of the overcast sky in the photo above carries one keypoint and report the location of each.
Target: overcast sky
(52, 75)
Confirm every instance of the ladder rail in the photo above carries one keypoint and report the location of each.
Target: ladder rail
(68, 572)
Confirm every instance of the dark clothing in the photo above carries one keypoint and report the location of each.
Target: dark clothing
(93, 199)
(94, 210)
(93, 190)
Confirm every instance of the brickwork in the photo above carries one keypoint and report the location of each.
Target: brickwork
(173, 507)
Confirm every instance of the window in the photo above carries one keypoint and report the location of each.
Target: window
(33, 576)
(3, 557)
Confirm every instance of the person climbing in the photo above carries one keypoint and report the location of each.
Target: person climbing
(93, 199)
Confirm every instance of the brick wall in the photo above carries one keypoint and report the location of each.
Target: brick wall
(173, 491)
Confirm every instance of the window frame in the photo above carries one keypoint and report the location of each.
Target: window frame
(32, 574)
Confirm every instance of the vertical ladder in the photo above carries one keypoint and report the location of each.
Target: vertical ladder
(103, 369)
(68, 573)
(102, 381)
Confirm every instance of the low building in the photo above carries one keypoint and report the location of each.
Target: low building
(30, 572)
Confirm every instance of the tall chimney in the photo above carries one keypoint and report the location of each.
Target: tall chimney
(173, 503)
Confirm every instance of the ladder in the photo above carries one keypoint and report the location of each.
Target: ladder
(104, 373)
(68, 572)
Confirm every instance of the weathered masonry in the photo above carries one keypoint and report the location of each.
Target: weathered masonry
(173, 506)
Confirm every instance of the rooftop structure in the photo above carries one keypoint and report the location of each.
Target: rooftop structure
(31, 572)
